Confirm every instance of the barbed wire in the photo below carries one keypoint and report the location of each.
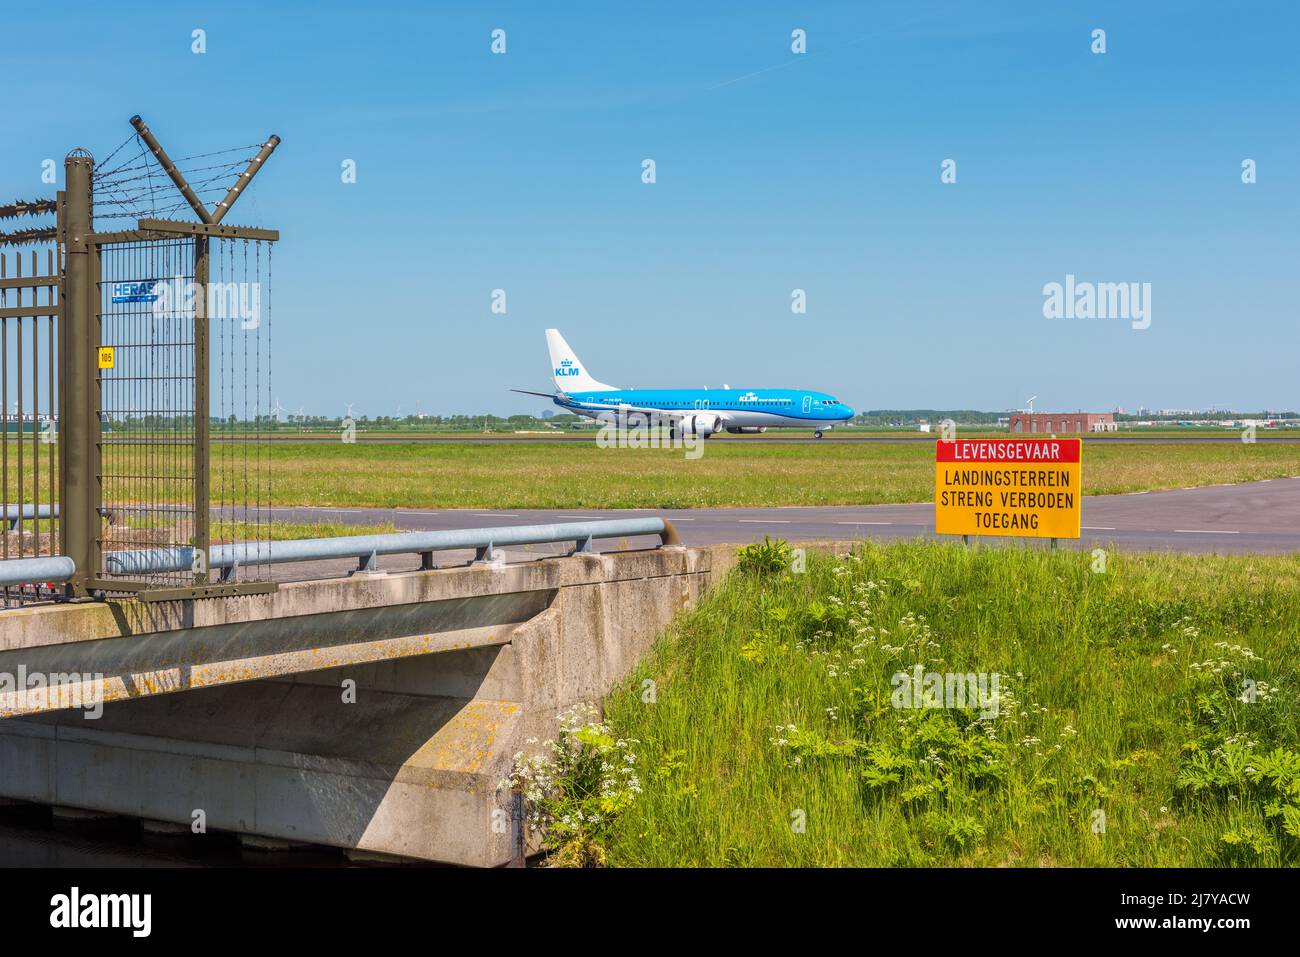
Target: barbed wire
(120, 193)
(131, 189)
(21, 237)
(154, 212)
(27, 207)
(151, 163)
(133, 136)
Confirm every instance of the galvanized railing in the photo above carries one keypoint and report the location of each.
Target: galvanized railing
(36, 571)
(365, 548)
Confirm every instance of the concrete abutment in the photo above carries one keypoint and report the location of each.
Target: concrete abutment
(378, 714)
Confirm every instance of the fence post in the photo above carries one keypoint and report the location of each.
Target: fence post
(202, 406)
(80, 492)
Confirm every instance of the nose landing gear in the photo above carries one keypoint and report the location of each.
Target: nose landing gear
(817, 434)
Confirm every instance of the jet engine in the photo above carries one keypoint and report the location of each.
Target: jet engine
(704, 423)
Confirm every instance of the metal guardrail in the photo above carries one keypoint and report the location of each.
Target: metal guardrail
(365, 548)
(27, 571)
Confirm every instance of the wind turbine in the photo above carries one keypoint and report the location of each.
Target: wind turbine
(1030, 402)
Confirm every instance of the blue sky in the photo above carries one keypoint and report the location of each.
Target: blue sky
(774, 172)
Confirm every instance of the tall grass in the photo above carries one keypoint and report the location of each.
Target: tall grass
(767, 735)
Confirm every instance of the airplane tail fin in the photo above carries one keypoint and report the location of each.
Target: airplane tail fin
(570, 375)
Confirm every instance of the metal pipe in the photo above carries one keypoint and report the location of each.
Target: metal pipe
(26, 571)
(11, 512)
(245, 178)
(170, 169)
(156, 560)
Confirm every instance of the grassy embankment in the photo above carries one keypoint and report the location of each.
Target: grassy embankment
(1120, 738)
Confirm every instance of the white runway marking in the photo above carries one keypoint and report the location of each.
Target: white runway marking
(1207, 531)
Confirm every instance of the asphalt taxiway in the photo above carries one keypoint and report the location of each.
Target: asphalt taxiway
(1251, 517)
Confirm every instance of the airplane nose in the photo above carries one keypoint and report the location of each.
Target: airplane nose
(848, 411)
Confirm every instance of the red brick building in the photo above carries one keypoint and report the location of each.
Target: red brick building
(1060, 423)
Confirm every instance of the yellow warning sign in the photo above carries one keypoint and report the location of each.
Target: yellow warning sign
(1025, 487)
(106, 357)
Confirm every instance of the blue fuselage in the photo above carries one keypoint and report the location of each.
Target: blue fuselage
(738, 408)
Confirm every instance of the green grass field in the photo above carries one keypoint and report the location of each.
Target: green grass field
(729, 473)
(364, 433)
(769, 737)
(289, 531)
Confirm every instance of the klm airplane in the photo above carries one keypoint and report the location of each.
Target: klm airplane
(700, 412)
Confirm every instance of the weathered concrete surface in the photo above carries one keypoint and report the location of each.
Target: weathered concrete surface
(182, 646)
(188, 659)
(389, 733)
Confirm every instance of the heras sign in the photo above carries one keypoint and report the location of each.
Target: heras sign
(144, 291)
(1026, 487)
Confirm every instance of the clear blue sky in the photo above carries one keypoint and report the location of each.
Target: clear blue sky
(775, 172)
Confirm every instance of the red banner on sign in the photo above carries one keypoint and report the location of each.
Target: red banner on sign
(1010, 451)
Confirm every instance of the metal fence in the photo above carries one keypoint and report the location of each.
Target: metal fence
(173, 313)
(29, 353)
(147, 398)
(239, 323)
(119, 360)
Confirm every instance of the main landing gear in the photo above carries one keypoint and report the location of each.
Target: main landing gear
(817, 434)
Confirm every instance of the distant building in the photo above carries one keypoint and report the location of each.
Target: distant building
(1060, 423)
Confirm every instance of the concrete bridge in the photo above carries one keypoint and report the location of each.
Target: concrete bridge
(377, 712)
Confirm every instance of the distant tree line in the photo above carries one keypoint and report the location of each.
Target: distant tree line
(289, 422)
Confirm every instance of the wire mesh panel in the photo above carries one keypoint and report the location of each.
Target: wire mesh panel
(28, 411)
(147, 391)
(184, 368)
(239, 325)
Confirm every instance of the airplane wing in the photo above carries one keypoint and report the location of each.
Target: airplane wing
(594, 408)
(672, 415)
